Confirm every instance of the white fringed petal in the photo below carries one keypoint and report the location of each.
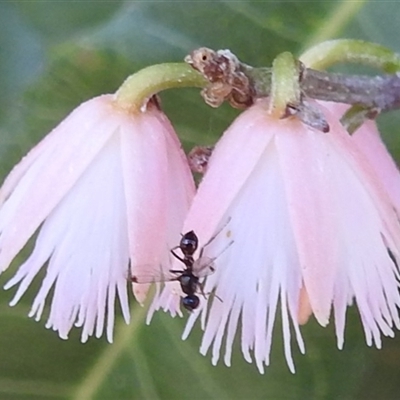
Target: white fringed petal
(69, 149)
(85, 241)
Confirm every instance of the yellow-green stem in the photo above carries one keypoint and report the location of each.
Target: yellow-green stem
(332, 52)
(139, 87)
(285, 87)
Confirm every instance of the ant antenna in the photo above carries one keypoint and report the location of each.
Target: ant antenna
(214, 236)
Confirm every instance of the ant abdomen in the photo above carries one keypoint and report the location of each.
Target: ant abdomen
(191, 302)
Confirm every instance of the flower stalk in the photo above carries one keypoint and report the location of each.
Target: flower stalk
(138, 88)
(285, 84)
(337, 51)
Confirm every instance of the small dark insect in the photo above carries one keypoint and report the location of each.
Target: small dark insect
(195, 269)
(190, 275)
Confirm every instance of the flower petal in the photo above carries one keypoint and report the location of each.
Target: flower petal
(85, 241)
(56, 164)
(237, 155)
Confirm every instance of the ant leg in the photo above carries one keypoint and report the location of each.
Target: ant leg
(201, 287)
(204, 294)
(174, 271)
(214, 236)
(217, 297)
(176, 255)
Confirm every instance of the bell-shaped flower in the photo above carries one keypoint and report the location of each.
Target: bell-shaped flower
(314, 230)
(106, 190)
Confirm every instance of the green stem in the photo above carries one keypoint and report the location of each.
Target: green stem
(141, 86)
(332, 52)
(285, 87)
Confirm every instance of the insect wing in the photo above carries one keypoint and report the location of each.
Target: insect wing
(153, 274)
(203, 266)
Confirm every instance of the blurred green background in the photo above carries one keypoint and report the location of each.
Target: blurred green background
(56, 54)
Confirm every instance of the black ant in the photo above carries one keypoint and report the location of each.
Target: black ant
(194, 269)
(189, 277)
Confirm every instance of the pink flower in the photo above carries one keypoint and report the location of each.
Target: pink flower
(312, 227)
(104, 189)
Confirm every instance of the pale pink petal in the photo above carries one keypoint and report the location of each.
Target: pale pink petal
(305, 310)
(304, 160)
(59, 166)
(168, 182)
(181, 190)
(369, 142)
(237, 155)
(145, 191)
(374, 152)
(368, 176)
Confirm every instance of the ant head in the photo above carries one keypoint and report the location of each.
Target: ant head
(190, 302)
(189, 243)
